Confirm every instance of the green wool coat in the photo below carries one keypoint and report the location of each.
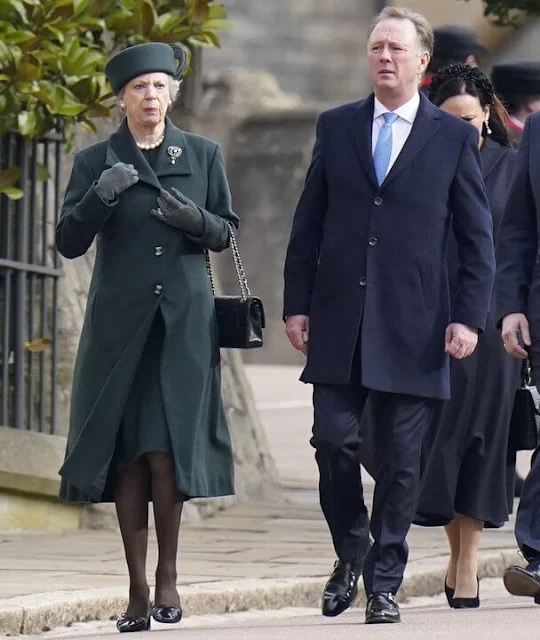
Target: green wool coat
(143, 265)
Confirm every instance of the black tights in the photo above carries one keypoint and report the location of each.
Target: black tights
(150, 477)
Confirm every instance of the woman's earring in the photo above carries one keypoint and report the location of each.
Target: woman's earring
(488, 128)
(122, 106)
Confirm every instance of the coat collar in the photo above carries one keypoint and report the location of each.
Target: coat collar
(121, 147)
(361, 125)
(491, 153)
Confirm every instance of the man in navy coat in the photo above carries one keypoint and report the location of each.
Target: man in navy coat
(366, 297)
(518, 307)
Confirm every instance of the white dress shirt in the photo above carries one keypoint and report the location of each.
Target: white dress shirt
(401, 127)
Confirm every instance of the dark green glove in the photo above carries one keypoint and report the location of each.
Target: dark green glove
(114, 181)
(180, 212)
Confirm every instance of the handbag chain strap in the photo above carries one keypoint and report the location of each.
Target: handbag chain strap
(240, 273)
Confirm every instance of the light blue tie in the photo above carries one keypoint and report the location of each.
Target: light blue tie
(383, 148)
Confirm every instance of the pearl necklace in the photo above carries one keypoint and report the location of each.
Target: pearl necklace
(150, 147)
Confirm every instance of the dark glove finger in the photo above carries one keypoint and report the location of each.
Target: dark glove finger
(180, 196)
(167, 197)
(165, 208)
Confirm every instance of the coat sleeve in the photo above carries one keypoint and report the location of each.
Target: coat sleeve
(473, 230)
(306, 235)
(83, 212)
(218, 209)
(518, 242)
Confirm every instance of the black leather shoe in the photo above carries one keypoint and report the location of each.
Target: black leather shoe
(468, 603)
(342, 587)
(448, 591)
(167, 615)
(382, 608)
(524, 582)
(127, 624)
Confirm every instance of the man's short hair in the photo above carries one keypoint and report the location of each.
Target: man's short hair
(422, 26)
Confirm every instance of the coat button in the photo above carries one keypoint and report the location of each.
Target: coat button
(158, 289)
(362, 282)
(158, 251)
(372, 242)
(378, 201)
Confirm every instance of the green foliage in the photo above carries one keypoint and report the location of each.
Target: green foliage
(53, 52)
(511, 12)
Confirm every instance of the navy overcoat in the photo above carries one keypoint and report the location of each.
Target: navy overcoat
(368, 264)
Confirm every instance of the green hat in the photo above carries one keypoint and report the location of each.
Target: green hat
(151, 57)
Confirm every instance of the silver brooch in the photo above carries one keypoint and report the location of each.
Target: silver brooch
(174, 153)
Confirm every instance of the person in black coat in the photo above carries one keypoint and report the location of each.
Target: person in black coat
(367, 300)
(453, 43)
(466, 480)
(518, 84)
(518, 310)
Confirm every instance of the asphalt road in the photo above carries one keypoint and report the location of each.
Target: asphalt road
(501, 617)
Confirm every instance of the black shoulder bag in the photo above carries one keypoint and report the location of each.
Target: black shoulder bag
(525, 421)
(240, 319)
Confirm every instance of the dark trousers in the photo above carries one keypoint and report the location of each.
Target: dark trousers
(399, 423)
(528, 515)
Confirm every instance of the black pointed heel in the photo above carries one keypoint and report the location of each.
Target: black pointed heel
(449, 592)
(132, 624)
(467, 603)
(167, 615)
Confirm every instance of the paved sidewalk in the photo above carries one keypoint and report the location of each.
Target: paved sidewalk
(251, 556)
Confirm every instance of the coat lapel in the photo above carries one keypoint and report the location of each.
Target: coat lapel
(424, 126)
(360, 126)
(491, 154)
(122, 148)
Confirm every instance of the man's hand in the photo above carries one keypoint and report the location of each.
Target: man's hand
(512, 325)
(297, 328)
(460, 340)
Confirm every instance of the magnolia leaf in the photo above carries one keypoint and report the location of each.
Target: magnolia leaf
(43, 174)
(148, 17)
(205, 39)
(27, 123)
(29, 68)
(58, 34)
(217, 23)
(19, 8)
(4, 77)
(79, 6)
(38, 345)
(13, 193)
(200, 11)
(18, 37)
(8, 177)
(216, 11)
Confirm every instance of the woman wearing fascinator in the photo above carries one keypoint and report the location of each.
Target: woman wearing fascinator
(147, 423)
(467, 477)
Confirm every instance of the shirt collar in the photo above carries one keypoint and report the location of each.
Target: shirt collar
(407, 111)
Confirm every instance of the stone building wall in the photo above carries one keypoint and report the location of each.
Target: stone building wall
(315, 48)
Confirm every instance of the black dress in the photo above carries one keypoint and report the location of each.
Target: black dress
(466, 468)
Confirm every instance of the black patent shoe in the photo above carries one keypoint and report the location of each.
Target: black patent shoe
(449, 592)
(132, 624)
(521, 581)
(342, 587)
(382, 608)
(167, 615)
(468, 603)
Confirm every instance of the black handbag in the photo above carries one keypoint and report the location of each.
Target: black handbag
(525, 420)
(240, 319)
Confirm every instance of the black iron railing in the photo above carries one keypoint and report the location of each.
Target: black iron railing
(29, 274)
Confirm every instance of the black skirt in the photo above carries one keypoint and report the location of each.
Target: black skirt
(466, 466)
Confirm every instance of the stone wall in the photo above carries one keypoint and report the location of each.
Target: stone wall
(314, 47)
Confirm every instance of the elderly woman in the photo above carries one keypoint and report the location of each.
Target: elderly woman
(147, 422)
